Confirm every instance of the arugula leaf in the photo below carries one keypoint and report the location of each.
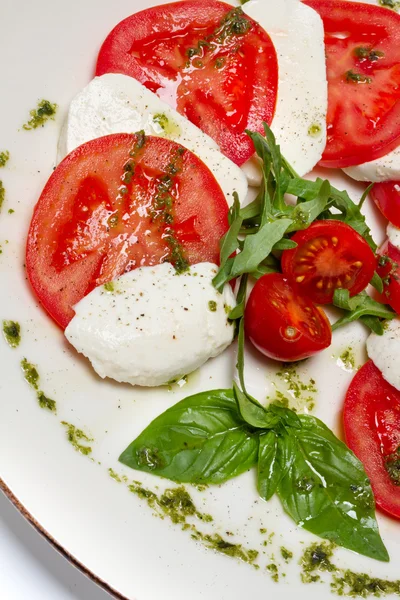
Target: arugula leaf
(365, 194)
(374, 323)
(258, 246)
(271, 467)
(305, 213)
(223, 275)
(359, 307)
(237, 312)
(377, 283)
(284, 244)
(326, 491)
(202, 439)
(261, 271)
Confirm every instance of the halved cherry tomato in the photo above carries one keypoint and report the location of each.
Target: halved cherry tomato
(372, 429)
(362, 45)
(389, 270)
(283, 324)
(329, 255)
(386, 196)
(208, 60)
(116, 203)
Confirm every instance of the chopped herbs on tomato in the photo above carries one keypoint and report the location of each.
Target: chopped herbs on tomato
(39, 116)
(354, 77)
(368, 53)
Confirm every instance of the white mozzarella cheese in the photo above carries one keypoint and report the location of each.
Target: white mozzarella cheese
(299, 123)
(393, 234)
(115, 103)
(384, 351)
(386, 168)
(154, 325)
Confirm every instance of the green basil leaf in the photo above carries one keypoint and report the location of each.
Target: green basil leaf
(271, 467)
(362, 305)
(258, 246)
(202, 439)
(287, 416)
(326, 490)
(253, 412)
(377, 283)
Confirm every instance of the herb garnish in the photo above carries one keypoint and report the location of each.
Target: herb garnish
(40, 115)
(352, 76)
(4, 158)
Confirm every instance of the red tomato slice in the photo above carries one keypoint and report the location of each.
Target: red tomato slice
(116, 203)
(362, 45)
(208, 60)
(387, 198)
(389, 270)
(329, 255)
(283, 324)
(372, 429)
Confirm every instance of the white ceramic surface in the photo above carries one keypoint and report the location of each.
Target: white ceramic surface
(48, 51)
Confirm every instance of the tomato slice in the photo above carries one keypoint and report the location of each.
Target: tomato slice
(116, 203)
(362, 45)
(386, 196)
(389, 270)
(329, 255)
(208, 60)
(372, 429)
(283, 324)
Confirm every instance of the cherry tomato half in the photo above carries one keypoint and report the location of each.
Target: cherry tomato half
(387, 198)
(282, 323)
(372, 428)
(329, 255)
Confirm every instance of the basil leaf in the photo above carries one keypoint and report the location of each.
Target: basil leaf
(271, 468)
(253, 412)
(287, 416)
(258, 246)
(326, 490)
(377, 283)
(359, 306)
(202, 439)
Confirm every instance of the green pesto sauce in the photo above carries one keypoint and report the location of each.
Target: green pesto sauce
(4, 158)
(11, 211)
(109, 286)
(390, 4)
(315, 130)
(273, 571)
(347, 359)
(76, 436)
(2, 194)
(12, 333)
(30, 374)
(292, 391)
(353, 77)
(212, 306)
(392, 465)
(39, 116)
(286, 554)
(45, 402)
(316, 558)
(366, 53)
(165, 125)
(362, 585)
(116, 477)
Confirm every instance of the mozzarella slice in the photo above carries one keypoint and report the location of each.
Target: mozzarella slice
(386, 168)
(299, 123)
(116, 103)
(393, 234)
(384, 351)
(154, 325)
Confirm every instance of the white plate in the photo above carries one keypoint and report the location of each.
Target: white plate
(49, 51)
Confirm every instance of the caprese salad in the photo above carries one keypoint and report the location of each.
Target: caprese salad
(144, 231)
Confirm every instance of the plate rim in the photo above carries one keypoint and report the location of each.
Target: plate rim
(57, 546)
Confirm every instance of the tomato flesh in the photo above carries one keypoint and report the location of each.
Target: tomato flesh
(208, 60)
(362, 44)
(389, 270)
(329, 255)
(372, 429)
(117, 203)
(386, 196)
(283, 324)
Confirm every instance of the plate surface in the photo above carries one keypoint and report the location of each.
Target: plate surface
(51, 53)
